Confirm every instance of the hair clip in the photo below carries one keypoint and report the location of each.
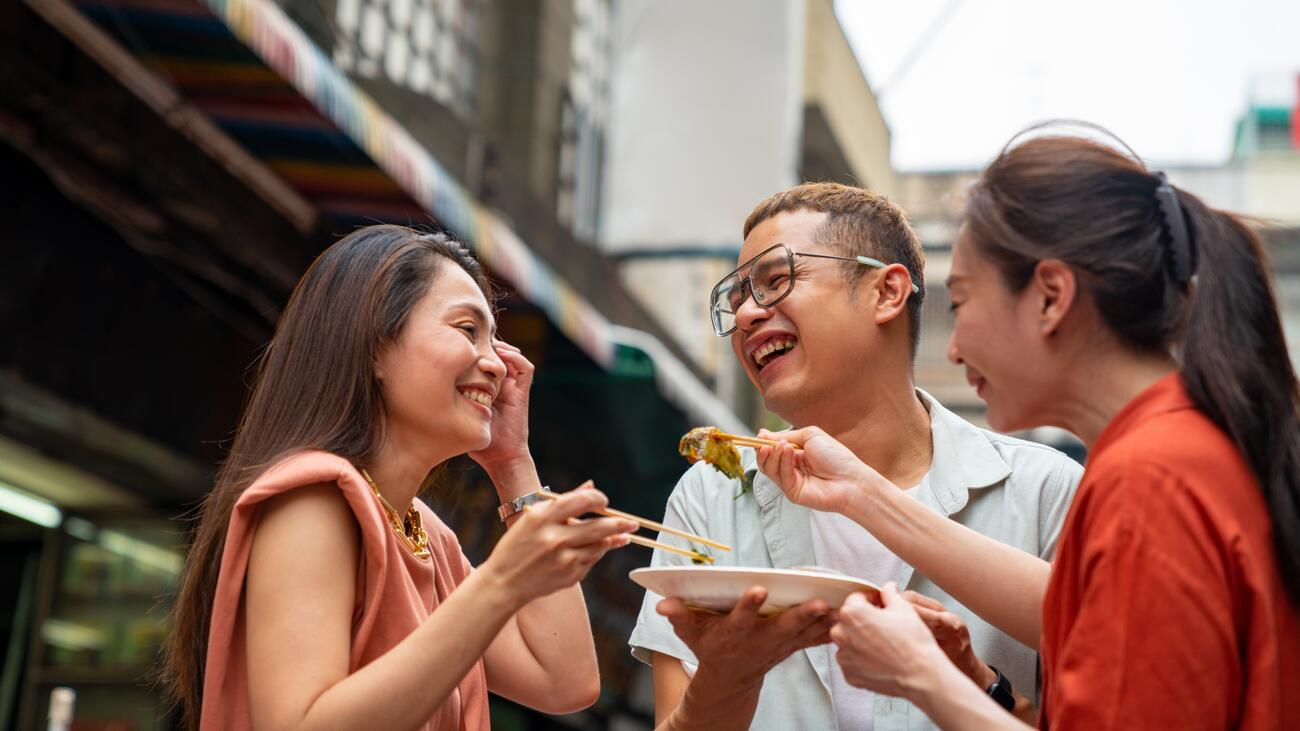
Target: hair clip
(1181, 255)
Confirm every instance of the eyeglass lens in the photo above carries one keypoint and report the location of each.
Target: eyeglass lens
(767, 278)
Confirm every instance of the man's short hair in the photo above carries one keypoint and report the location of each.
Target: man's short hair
(859, 222)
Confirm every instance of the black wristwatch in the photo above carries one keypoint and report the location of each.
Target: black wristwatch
(1000, 691)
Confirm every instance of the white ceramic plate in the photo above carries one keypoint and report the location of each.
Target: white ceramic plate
(718, 588)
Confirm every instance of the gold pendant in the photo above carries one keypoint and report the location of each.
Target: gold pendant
(411, 530)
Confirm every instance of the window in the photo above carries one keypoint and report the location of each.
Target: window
(584, 111)
(427, 46)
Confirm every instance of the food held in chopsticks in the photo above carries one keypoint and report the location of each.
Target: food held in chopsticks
(696, 556)
(709, 444)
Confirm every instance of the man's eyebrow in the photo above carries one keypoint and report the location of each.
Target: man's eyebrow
(953, 279)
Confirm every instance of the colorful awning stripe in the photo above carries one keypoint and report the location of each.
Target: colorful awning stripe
(281, 44)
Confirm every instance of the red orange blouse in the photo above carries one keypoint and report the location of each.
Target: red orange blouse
(1166, 608)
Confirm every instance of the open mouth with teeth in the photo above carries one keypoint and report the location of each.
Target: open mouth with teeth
(769, 352)
(477, 396)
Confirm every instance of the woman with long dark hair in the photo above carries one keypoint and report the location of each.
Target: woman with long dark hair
(1091, 294)
(319, 593)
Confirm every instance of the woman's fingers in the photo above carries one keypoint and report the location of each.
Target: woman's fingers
(789, 475)
(889, 595)
(515, 360)
(517, 363)
(593, 531)
(573, 504)
(519, 372)
(797, 437)
(922, 600)
(499, 343)
(856, 608)
(778, 463)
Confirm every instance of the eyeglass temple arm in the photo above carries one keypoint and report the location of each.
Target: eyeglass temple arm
(881, 265)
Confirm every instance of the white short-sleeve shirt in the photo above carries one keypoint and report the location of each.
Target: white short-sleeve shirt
(1014, 491)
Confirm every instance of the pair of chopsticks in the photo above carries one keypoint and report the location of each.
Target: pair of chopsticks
(697, 555)
(743, 441)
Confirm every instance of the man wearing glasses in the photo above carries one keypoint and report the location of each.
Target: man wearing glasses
(824, 315)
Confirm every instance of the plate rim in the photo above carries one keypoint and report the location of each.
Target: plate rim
(741, 569)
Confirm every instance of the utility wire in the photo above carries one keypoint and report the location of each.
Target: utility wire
(920, 47)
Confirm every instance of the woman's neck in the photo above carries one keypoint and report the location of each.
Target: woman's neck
(399, 472)
(1098, 387)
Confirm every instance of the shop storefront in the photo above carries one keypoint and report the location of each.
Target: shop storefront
(171, 168)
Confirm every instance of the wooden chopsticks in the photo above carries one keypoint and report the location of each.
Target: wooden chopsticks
(652, 525)
(692, 555)
(744, 441)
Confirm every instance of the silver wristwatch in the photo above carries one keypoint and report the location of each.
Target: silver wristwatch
(508, 509)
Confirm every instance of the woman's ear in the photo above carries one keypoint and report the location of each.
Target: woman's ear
(892, 292)
(1055, 288)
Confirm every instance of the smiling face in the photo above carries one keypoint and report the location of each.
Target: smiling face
(441, 374)
(998, 338)
(808, 350)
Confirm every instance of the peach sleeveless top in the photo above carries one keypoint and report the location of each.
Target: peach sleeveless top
(395, 593)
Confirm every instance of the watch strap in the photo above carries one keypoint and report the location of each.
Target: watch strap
(1000, 691)
(512, 507)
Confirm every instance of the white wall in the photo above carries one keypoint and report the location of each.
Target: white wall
(704, 120)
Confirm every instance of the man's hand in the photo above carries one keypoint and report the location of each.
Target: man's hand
(743, 646)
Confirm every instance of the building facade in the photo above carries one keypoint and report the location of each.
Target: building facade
(171, 168)
(716, 106)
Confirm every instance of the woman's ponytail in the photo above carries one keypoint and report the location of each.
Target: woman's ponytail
(1237, 369)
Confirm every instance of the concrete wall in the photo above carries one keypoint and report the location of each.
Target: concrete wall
(704, 119)
(835, 87)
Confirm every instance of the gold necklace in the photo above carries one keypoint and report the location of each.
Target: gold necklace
(411, 530)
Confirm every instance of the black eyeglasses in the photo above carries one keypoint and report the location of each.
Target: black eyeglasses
(769, 277)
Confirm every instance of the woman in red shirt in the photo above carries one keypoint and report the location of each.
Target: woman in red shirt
(1092, 295)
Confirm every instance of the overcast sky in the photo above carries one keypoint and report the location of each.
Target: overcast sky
(1171, 78)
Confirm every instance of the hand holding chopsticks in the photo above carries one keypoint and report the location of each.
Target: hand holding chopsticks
(652, 525)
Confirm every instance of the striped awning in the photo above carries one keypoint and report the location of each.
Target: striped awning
(251, 69)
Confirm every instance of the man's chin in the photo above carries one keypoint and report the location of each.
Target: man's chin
(780, 401)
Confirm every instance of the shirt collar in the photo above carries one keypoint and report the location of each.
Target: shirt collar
(964, 458)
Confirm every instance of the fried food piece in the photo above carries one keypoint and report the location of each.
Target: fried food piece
(701, 557)
(704, 444)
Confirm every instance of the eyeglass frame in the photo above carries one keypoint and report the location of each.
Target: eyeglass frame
(748, 283)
